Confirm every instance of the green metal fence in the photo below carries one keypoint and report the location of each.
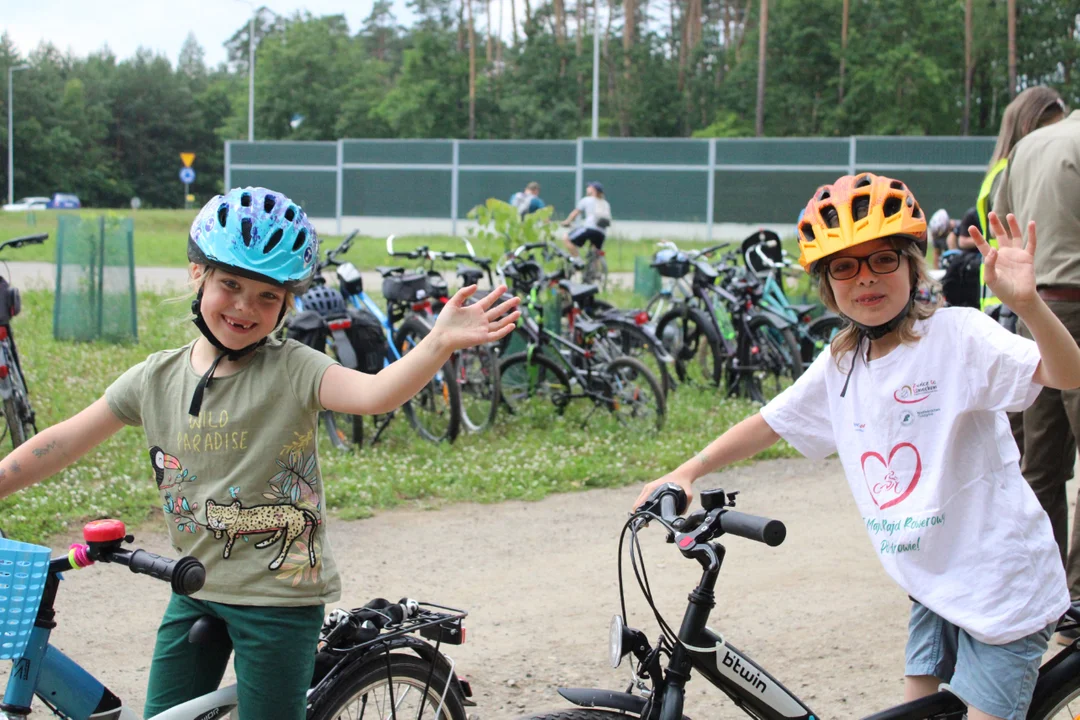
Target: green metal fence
(737, 180)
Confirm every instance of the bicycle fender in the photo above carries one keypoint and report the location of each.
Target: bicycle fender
(610, 699)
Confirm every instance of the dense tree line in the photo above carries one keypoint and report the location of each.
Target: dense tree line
(111, 129)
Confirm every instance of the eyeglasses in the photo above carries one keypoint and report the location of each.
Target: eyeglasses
(881, 262)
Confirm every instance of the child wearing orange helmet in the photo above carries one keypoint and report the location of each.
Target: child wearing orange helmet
(912, 399)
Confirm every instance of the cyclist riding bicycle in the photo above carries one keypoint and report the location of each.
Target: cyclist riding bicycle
(230, 422)
(913, 400)
(596, 211)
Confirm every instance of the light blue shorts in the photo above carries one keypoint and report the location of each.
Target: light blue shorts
(996, 679)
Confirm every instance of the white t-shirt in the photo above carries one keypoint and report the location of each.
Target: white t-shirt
(593, 209)
(926, 448)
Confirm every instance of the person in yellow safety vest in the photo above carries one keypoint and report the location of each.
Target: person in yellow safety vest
(1032, 109)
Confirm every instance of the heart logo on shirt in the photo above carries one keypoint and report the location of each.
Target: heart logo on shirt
(891, 481)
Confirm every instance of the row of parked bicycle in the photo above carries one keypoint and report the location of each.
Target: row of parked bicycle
(721, 320)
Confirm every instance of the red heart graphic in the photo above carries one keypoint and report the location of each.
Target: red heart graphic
(890, 490)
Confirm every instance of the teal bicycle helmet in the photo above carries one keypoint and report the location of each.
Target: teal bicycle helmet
(258, 234)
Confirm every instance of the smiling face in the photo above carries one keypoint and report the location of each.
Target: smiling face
(869, 298)
(239, 311)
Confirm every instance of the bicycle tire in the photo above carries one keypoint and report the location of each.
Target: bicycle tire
(478, 379)
(632, 342)
(435, 411)
(526, 376)
(691, 339)
(659, 304)
(344, 430)
(20, 430)
(368, 685)
(1057, 690)
(629, 387)
(16, 429)
(818, 334)
(779, 355)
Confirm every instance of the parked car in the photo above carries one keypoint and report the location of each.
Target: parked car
(64, 201)
(28, 203)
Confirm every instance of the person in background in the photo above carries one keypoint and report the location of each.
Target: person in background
(596, 211)
(1042, 179)
(528, 200)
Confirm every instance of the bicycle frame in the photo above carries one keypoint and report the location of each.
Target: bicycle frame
(62, 683)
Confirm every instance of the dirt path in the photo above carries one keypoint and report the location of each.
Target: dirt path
(539, 580)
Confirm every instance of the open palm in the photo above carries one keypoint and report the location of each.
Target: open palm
(1010, 268)
(461, 326)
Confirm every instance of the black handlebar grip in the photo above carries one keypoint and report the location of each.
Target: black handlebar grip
(186, 575)
(753, 527)
(672, 501)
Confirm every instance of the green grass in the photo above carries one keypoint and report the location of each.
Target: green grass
(523, 457)
(161, 240)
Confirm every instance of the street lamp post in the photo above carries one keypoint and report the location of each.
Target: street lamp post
(251, 69)
(596, 72)
(11, 136)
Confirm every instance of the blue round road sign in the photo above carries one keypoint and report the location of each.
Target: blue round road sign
(187, 175)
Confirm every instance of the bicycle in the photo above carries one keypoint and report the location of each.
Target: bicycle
(718, 334)
(375, 655)
(551, 366)
(19, 417)
(477, 367)
(657, 692)
(813, 325)
(323, 322)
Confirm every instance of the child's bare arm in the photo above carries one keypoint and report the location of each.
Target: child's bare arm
(356, 393)
(459, 326)
(56, 447)
(742, 441)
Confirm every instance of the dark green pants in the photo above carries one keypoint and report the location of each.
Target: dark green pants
(1051, 429)
(275, 657)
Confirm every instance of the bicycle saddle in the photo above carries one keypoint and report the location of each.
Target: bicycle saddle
(209, 631)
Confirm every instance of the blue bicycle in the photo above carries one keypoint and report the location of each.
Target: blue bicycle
(384, 657)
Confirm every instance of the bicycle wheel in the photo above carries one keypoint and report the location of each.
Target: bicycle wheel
(636, 400)
(435, 411)
(779, 360)
(368, 693)
(817, 335)
(344, 430)
(632, 342)
(17, 409)
(478, 379)
(530, 384)
(691, 339)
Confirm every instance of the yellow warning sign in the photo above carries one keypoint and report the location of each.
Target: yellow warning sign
(187, 158)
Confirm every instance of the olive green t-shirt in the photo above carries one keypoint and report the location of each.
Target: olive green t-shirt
(240, 484)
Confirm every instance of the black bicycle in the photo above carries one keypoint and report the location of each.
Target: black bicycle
(663, 670)
(720, 334)
(20, 422)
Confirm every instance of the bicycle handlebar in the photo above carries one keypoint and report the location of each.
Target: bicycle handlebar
(669, 502)
(26, 240)
(186, 575)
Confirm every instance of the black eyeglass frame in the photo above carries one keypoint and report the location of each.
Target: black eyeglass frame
(860, 261)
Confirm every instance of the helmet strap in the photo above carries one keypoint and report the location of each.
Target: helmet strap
(233, 355)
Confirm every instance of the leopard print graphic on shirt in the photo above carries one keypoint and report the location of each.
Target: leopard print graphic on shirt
(280, 519)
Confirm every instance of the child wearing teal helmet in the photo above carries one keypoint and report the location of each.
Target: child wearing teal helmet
(230, 422)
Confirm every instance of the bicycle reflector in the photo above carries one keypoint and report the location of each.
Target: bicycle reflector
(3, 333)
(642, 318)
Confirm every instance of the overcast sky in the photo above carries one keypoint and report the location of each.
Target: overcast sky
(125, 25)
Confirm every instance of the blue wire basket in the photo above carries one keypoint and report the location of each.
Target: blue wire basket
(23, 569)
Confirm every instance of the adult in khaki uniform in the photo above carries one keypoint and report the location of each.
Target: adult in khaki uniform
(1042, 183)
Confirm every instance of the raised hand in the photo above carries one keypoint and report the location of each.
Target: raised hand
(1010, 268)
(461, 326)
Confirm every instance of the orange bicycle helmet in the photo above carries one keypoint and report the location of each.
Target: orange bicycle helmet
(857, 209)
